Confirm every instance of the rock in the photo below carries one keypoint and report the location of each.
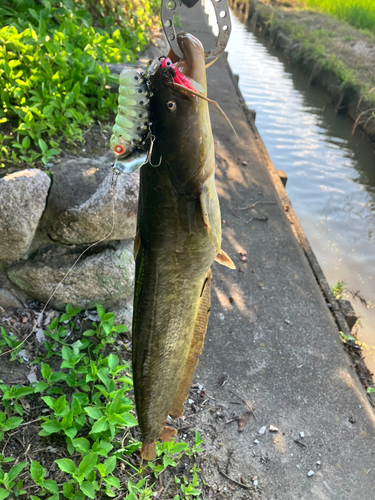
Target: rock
(105, 277)
(80, 206)
(273, 428)
(256, 441)
(262, 430)
(348, 312)
(302, 434)
(7, 299)
(310, 473)
(23, 198)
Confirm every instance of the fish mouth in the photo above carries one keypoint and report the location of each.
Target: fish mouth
(193, 63)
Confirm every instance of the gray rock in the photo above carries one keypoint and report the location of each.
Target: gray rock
(7, 299)
(22, 201)
(80, 206)
(348, 312)
(106, 277)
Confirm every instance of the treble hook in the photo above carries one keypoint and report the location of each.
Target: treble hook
(149, 154)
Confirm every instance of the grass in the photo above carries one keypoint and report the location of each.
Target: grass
(87, 414)
(358, 13)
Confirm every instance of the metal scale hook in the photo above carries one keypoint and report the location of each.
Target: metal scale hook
(169, 8)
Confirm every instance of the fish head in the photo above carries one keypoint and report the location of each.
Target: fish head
(180, 119)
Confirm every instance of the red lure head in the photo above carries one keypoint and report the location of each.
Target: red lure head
(179, 77)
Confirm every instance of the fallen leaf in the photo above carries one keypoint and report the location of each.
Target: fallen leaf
(242, 421)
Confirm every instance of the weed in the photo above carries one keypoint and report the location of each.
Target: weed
(11, 342)
(338, 290)
(88, 405)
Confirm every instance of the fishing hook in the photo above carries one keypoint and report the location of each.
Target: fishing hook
(149, 154)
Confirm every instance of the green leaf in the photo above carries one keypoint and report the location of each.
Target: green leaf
(68, 490)
(112, 362)
(23, 391)
(26, 142)
(82, 445)
(41, 386)
(88, 463)
(51, 486)
(4, 494)
(60, 404)
(100, 310)
(110, 464)
(179, 447)
(46, 371)
(129, 420)
(116, 403)
(93, 412)
(66, 465)
(43, 145)
(120, 328)
(100, 426)
(13, 422)
(51, 426)
(88, 489)
(112, 481)
(67, 421)
(49, 401)
(71, 432)
(15, 470)
(37, 472)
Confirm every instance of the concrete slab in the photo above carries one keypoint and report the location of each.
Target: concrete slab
(272, 341)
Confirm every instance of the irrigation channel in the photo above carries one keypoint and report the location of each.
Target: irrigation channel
(331, 175)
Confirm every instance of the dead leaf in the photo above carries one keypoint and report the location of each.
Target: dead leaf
(242, 421)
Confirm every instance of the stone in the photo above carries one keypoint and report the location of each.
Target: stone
(310, 473)
(302, 434)
(348, 312)
(23, 198)
(7, 299)
(81, 208)
(273, 428)
(262, 430)
(105, 277)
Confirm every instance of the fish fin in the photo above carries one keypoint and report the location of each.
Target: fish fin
(195, 348)
(208, 217)
(223, 259)
(137, 244)
(167, 434)
(148, 451)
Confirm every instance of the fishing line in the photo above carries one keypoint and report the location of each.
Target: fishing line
(114, 179)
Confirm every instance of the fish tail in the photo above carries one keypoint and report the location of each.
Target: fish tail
(148, 451)
(195, 348)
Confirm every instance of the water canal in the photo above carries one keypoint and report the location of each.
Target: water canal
(331, 175)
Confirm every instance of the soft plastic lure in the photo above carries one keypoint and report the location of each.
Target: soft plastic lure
(132, 120)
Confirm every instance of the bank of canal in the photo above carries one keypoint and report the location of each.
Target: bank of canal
(331, 174)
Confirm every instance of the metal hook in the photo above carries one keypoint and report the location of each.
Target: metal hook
(169, 8)
(149, 154)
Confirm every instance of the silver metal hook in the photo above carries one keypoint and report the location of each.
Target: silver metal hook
(149, 154)
(169, 9)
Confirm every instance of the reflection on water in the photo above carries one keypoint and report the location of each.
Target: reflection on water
(331, 177)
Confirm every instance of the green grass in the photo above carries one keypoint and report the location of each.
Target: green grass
(359, 13)
(85, 392)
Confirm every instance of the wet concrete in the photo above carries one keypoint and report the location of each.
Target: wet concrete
(272, 338)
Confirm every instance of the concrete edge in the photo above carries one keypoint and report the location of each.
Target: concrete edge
(296, 225)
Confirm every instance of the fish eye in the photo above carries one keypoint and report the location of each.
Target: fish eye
(171, 105)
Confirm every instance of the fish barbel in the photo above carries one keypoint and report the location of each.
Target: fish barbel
(178, 238)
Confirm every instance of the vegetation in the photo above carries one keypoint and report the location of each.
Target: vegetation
(86, 404)
(53, 77)
(359, 13)
(338, 290)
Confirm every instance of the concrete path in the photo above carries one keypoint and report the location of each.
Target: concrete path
(272, 341)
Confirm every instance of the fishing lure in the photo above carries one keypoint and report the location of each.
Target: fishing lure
(132, 121)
